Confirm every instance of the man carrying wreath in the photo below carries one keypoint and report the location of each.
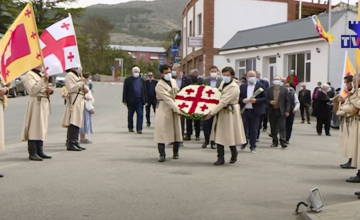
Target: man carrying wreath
(252, 100)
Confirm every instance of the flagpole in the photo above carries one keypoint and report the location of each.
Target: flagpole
(329, 26)
(77, 45)
(300, 8)
(343, 75)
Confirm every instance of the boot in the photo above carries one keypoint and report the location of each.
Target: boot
(234, 154)
(213, 146)
(357, 193)
(40, 150)
(347, 165)
(220, 151)
(176, 150)
(77, 131)
(72, 136)
(161, 148)
(32, 151)
(1, 175)
(355, 179)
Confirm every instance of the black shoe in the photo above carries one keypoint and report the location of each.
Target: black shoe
(270, 135)
(319, 134)
(139, 132)
(308, 122)
(161, 159)
(131, 130)
(73, 148)
(347, 165)
(176, 156)
(35, 158)
(220, 161)
(264, 130)
(355, 179)
(302, 122)
(197, 139)
(205, 144)
(274, 145)
(243, 146)
(357, 193)
(286, 142)
(234, 154)
(187, 138)
(80, 147)
(328, 134)
(40, 150)
(283, 146)
(176, 150)
(148, 124)
(1, 175)
(213, 146)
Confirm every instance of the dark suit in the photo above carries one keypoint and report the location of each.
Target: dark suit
(151, 98)
(207, 124)
(251, 117)
(322, 113)
(185, 81)
(277, 116)
(305, 103)
(264, 117)
(134, 96)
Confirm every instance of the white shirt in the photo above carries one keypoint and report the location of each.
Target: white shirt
(213, 83)
(250, 92)
(296, 102)
(89, 100)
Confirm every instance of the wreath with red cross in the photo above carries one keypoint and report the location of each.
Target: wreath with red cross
(196, 101)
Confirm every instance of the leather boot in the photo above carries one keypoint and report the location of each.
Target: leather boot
(357, 193)
(347, 165)
(77, 131)
(213, 146)
(161, 148)
(234, 154)
(176, 150)
(220, 151)
(32, 151)
(40, 150)
(72, 139)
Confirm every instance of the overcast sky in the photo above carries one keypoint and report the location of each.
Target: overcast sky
(85, 3)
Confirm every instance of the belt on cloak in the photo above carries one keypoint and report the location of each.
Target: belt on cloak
(44, 97)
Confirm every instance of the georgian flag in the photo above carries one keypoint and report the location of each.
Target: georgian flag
(59, 47)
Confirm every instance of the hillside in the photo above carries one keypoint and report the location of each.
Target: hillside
(141, 22)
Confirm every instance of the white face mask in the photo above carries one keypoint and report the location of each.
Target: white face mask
(226, 79)
(79, 70)
(136, 75)
(173, 73)
(213, 75)
(167, 77)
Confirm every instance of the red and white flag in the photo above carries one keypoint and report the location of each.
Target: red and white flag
(59, 47)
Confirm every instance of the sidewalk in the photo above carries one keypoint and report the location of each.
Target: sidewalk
(344, 211)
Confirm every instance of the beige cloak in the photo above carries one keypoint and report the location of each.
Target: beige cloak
(228, 129)
(167, 117)
(354, 134)
(75, 101)
(2, 126)
(38, 109)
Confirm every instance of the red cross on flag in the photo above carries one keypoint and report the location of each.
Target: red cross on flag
(59, 47)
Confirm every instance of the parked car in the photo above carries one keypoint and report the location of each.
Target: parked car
(60, 80)
(17, 86)
(96, 78)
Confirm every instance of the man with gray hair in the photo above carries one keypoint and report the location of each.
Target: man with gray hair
(322, 111)
(134, 97)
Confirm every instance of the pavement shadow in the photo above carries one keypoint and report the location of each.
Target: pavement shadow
(316, 166)
(330, 182)
(340, 198)
(169, 162)
(15, 159)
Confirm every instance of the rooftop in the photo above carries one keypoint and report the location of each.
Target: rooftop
(139, 48)
(302, 29)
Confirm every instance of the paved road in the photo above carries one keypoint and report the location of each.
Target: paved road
(118, 177)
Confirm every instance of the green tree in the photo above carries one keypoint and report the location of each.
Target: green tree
(8, 12)
(48, 12)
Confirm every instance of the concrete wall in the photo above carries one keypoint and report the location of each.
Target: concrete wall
(232, 16)
(318, 60)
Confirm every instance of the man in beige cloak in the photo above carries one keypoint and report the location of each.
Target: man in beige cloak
(167, 117)
(37, 113)
(3, 92)
(74, 108)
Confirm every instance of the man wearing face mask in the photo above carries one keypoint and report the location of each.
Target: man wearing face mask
(74, 109)
(167, 118)
(181, 81)
(278, 109)
(135, 97)
(254, 108)
(322, 111)
(263, 118)
(292, 79)
(214, 81)
(295, 105)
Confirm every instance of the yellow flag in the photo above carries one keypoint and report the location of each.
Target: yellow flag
(319, 28)
(348, 71)
(19, 48)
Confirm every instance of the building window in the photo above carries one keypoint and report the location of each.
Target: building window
(200, 24)
(246, 65)
(190, 28)
(142, 55)
(301, 63)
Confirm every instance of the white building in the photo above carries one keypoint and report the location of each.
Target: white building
(276, 49)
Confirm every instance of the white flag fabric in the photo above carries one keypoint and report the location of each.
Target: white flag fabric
(59, 47)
